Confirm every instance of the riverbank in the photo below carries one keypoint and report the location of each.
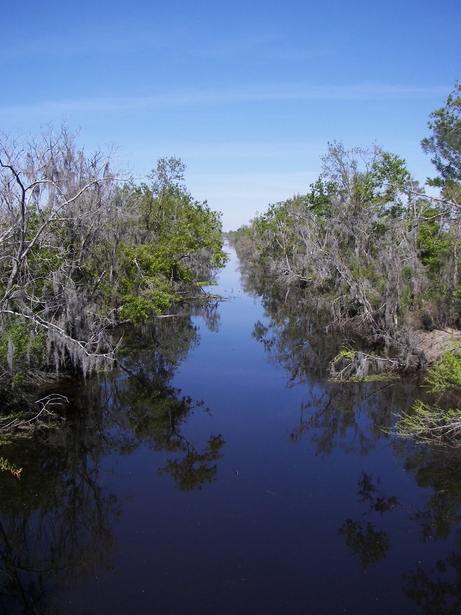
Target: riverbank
(432, 345)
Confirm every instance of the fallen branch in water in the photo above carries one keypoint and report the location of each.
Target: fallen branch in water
(350, 364)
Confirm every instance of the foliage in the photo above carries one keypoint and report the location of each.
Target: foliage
(57, 513)
(431, 422)
(350, 241)
(83, 248)
(24, 351)
(445, 373)
(445, 146)
(368, 244)
(7, 466)
(178, 242)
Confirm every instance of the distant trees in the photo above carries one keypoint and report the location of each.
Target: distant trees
(83, 248)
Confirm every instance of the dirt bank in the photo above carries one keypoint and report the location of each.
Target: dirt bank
(434, 343)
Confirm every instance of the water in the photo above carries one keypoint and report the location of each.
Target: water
(305, 506)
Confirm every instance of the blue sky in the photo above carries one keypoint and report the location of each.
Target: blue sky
(247, 94)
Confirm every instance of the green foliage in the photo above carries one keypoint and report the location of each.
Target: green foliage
(80, 252)
(430, 422)
(136, 309)
(445, 373)
(341, 240)
(7, 466)
(367, 242)
(21, 348)
(182, 244)
(319, 197)
(388, 177)
(445, 145)
(344, 354)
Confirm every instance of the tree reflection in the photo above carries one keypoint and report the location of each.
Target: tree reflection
(295, 337)
(56, 520)
(367, 543)
(210, 314)
(195, 468)
(155, 412)
(375, 496)
(440, 471)
(352, 416)
(436, 589)
(349, 416)
(355, 417)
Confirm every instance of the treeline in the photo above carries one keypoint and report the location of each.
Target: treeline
(368, 245)
(84, 248)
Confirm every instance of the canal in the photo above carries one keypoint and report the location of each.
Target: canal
(213, 481)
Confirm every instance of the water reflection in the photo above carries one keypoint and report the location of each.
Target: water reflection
(435, 588)
(357, 418)
(351, 416)
(368, 542)
(438, 471)
(56, 520)
(146, 405)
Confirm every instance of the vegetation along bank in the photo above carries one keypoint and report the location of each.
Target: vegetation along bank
(83, 249)
(377, 257)
(368, 251)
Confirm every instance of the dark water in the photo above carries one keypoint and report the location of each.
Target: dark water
(274, 495)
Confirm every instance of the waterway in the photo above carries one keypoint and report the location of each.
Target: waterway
(220, 484)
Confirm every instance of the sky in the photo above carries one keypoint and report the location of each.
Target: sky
(247, 93)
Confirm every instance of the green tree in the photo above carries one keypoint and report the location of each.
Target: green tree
(442, 249)
(179, 244)
(81, 251)
(444, 145)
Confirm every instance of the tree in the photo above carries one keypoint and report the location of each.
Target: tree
(442, 248)
(445, 146)
(370, 245)
(179, 242)
(52, 200)
(80, 252)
